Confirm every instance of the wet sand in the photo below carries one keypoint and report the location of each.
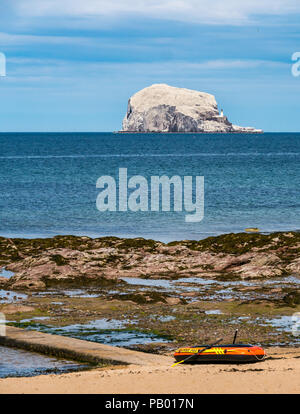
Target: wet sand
(280, 374)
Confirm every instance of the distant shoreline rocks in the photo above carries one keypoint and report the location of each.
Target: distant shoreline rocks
(161, 108)
(73, 261)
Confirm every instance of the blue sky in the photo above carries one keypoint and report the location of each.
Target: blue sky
(73, 64)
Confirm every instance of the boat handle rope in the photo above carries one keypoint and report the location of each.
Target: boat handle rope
(259, 359)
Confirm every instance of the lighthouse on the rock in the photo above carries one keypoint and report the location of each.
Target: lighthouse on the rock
(222, 114)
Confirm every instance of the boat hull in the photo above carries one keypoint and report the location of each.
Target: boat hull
(221, 354)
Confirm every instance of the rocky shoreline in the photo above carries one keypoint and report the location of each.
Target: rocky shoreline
(76, 261)
(163, 294)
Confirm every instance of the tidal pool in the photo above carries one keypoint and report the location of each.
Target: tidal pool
(289, 324)
(20, 363)
(8, 296)
(212, 289)
(6, 273)
(104, 331)
(213, 312)
(208, 289)
(163, 283)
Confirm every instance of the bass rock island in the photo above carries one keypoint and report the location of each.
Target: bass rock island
(164, 108)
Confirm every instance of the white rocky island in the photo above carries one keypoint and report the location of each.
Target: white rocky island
(164, 108)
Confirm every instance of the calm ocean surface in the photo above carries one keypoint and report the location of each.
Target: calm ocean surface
(48, 182)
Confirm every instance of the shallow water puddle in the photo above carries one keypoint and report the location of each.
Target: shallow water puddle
(213, 312)
(163, 283)
(35, 318)
(105, 331)
(286, 323)
(6, 273)
(8, 296)
(222, 290)
(285, 280)
(98, 324)
(80, 293)
(19, 363)
(48, 292)
(163, 318)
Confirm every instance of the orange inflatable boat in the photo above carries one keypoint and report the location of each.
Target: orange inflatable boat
(221, 353)
(232, 353)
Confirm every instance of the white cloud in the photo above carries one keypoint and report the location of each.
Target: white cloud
(57, 68)
(9, 39)
(201, 11)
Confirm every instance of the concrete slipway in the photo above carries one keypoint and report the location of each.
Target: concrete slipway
(77, 349)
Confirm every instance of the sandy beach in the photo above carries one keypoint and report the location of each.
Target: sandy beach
(279, 374)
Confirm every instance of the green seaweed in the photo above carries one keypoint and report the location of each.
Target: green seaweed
(239, 243)
(292, 298)
(59, 260)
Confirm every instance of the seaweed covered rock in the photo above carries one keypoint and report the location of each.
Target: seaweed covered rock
(42, 263)
(142, 298)
(292, 298)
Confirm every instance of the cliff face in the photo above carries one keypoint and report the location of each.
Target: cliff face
(164, 108)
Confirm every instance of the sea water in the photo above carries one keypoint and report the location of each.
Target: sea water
(48, 182)
(20, 363)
